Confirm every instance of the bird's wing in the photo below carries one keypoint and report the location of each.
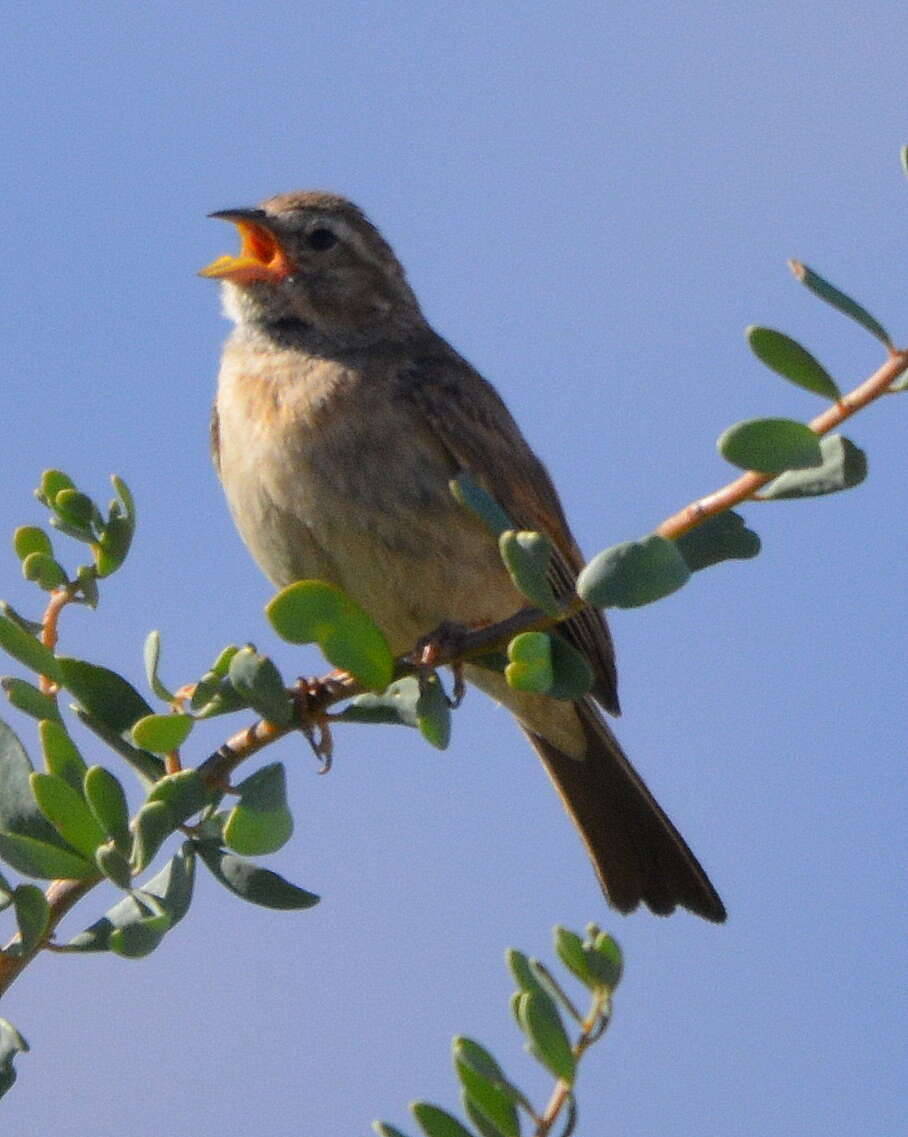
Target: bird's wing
(471, 422)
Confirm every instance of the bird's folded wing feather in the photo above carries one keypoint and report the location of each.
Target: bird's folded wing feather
(474, 426)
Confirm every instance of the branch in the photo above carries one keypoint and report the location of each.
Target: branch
(745, 487)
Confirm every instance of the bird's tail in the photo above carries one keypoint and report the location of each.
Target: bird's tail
(638, 853)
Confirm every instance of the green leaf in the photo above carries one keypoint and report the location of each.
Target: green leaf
(527, 556)
(433, 713)
(47, 862)
(33, 627)
(260, 684)
(52, 483)
(530, 667)
(75, 508)
(633, 573)
(770, 445)
(260, 822)
(607, 960)
(171, 888)
(66, 810)
(11, 1044)
(436, 1122)
(396, 705)
(485, 1086)
(312, 611)
(104, 694)
(107, 802)
(112, 545)
(571, 952)
(124, 505)
(184, 793)
(251, 882)
(473, 497)
(520, 969)
(844, 465)
(792, 361)
(19, 812)
(140, 937)
(148, 766)
(213, 694)
(87, 579)
(596, 961)
(32, 916)
(572, 674)
(838, 299)
(44, 571)
(29, 539)
(383, 1129)
(61, 755)
(479, 1121)
(723, 537)
(26, 697)
(152, 656)
(162, 734)
(540, 1021)
(27, 650)
(151, 827)
(114, 865)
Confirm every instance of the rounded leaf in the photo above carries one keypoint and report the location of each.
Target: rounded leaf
(171, 890)
(844, 465)
(530, 666)
(32, 915)
(527, 557)
(61, 755)
(44, 571)
(106, 799)
(792, 361)
(433, 713)
(29, 539)
(633, 573)
(485, 1085)
(27, 649)
(436, 1122)
(312, 611)
(473, 497)
(541, 1022)
(106, 695)
(720, 538)
(251, 882)
(260, 822)
(162, 734)
(66, 810)
(770, 445)
(39, 859)
(114, 865)
(256, 679)
(839, 299)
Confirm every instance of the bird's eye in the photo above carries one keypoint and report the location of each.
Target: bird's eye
(321, 239)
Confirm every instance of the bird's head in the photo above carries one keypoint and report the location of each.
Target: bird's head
(314, 259)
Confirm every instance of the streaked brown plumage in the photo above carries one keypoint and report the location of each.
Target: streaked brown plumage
(341, 416)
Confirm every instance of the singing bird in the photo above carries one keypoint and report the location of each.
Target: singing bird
(341, 418)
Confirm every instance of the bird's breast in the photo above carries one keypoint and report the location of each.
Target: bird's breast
(331, 474)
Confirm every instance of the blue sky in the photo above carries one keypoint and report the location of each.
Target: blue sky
(592, 201)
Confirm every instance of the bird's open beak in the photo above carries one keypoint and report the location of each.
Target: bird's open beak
(261, 256)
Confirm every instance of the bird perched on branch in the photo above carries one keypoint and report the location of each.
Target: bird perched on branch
(341, 418)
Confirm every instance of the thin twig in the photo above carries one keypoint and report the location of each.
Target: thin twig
(744, 487)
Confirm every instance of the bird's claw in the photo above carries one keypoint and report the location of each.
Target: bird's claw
(312, 719)
(433, 650)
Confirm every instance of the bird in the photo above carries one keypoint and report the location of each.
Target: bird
(340, 420)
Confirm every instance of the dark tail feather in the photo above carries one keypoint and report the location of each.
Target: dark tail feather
(638, 854)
